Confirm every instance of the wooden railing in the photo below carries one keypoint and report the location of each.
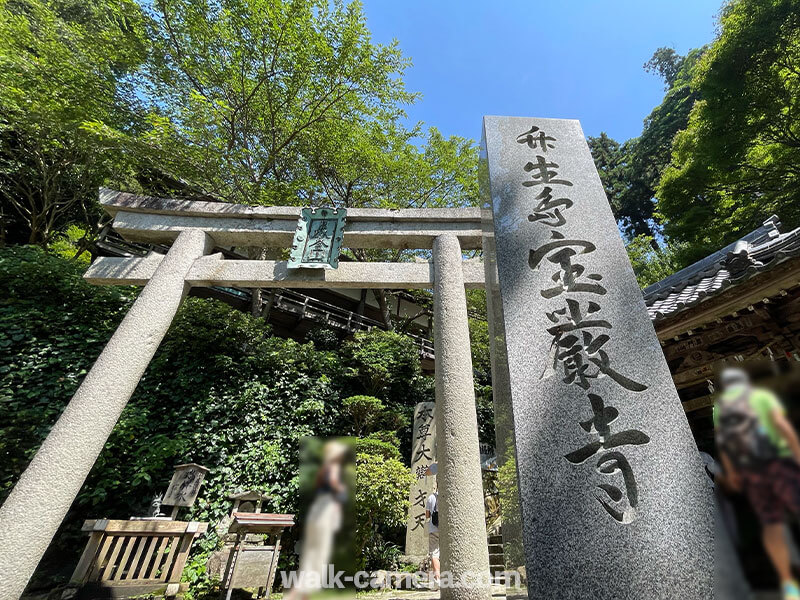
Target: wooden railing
(325, 313)
(307, 307)
(136, 557)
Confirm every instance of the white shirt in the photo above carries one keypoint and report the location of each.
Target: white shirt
(430, 506)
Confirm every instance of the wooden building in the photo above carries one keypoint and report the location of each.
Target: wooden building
(740, 305)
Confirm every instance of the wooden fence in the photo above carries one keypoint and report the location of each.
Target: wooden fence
(128, 558)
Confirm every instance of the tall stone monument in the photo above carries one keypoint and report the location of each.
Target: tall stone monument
(614, 501)
(423, 455)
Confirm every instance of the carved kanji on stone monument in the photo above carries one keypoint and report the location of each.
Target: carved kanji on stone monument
(603, 447)
(423, 455)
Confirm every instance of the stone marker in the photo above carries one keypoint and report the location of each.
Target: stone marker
(423, 455)
(613, 497)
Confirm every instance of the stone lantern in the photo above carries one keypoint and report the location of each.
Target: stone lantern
(247, 502)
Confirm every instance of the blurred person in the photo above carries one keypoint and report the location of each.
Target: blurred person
(323, 521)
(760, 452)
(432, 517)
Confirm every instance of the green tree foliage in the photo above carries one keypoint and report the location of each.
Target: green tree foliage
(608, 160)
(381, 503)
(288, 102)
(250, 101)
(364, 411)
(385, 364)
(70, 244)
(221, 391)
(651, 262)
(479, 336)
(666, 63)
(630, 172)
(737, 161)
(650, 152)
(245, 90)
(630, 200)
(383, 165)
(63, 68)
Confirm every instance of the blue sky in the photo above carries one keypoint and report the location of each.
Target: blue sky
(579, 59)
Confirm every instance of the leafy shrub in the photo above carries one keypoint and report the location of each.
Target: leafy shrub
(324, 338)
(380, 554)
(385, 364)
(53, 325)
(364, 411)
(382, 486)
(375, 447)
(390, 437)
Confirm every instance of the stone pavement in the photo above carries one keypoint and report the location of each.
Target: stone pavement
(498, 591)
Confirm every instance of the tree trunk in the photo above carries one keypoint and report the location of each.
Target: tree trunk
(255, 302)
(35, 235)
(268, 306)
(383, 303)
(83, 244)
(256, 296)
(362, 304)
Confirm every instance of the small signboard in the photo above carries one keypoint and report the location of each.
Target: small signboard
(254, 567)
(185, 485)
(318, 239)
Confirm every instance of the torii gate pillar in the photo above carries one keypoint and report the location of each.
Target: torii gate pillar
(57, 472)
(462, 532)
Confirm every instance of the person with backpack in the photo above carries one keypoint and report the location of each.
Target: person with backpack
(760, 452)
(432, 516)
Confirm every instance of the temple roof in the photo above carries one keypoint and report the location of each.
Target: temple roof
(757, 252)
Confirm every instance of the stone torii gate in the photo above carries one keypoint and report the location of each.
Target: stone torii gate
(614, 503)
(194, 229)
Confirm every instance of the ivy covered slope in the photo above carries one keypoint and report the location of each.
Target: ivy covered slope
(221, 391)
